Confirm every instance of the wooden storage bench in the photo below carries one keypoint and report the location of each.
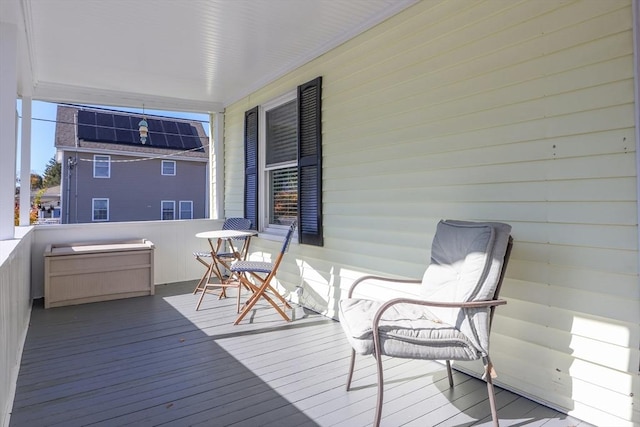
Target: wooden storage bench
(99, 271)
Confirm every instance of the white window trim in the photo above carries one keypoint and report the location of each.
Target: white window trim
(104, 158)
(93, 209)
(173, 203)
(269, 231)
(162, 168)
(190, 202)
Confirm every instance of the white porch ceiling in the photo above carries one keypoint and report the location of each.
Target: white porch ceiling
(190, 55)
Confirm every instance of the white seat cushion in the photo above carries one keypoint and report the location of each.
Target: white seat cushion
(406, 330)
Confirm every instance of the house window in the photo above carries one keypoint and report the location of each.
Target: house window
(101, 166)
(283, 163)
(168, 210)
(100, 208)
(186, 209)
(168, 167)
(280, 167)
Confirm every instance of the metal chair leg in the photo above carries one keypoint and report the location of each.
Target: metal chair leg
(492, 402)
(378, 416)
(488, 371)
(449, 373)
(351, 365)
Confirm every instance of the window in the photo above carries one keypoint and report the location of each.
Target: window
(283, 163)
(101, 166)
(168, 167)
(168, 208)
(100, 208)
(280, 168)
(186, 209)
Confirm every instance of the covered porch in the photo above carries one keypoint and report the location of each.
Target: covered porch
(156, 361)
(523, 112)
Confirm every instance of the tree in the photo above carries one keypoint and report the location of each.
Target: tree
(36, 181)
(52, 173)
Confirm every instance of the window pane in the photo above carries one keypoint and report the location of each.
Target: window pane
(168, 211)
(101, 166)
(168, 167)
(283, 184)
(100, 209)
(186, 210)
(282, 134)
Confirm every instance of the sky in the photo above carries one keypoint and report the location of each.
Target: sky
(43, 128)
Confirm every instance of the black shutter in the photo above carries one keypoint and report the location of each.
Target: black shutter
(310, 162)
(251, 166)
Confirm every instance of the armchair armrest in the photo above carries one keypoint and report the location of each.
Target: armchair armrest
(389, 280)
(446, 304)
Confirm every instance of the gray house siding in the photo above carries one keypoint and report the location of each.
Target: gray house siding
(136, 186)
(135, 189)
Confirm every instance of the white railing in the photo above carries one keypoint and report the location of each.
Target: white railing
(15, 309)
(48, 221)
(22, 274)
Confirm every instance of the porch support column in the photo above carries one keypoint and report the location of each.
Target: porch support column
(635, 7)
(216, 156)
(25, 162)
(8, 124)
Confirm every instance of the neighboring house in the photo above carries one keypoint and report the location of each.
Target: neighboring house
(49, 211)
(108, 174)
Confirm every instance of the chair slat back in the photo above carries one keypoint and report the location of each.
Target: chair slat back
(237, 224)
(287, 239)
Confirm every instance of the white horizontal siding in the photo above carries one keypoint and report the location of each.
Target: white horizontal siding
(521, 112)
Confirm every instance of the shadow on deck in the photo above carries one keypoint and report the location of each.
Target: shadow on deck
(152, 361)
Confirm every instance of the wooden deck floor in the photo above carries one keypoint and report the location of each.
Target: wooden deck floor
(153, 361)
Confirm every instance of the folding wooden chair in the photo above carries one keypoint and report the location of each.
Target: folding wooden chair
(262, 273)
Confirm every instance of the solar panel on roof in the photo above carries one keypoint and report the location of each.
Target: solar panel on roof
(123, 129)
(171, 132)
(106, 134)
(86, 117)
(185, 129)
(155, 125)
(127, 136)
(157, 140)
(104, 119)
(198, 141)
(191, 142)
(174, 141)
(170, 127)
(156, 134)
(87, 125)
(124, 122)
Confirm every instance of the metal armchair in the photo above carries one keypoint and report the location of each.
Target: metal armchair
(452, 318)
